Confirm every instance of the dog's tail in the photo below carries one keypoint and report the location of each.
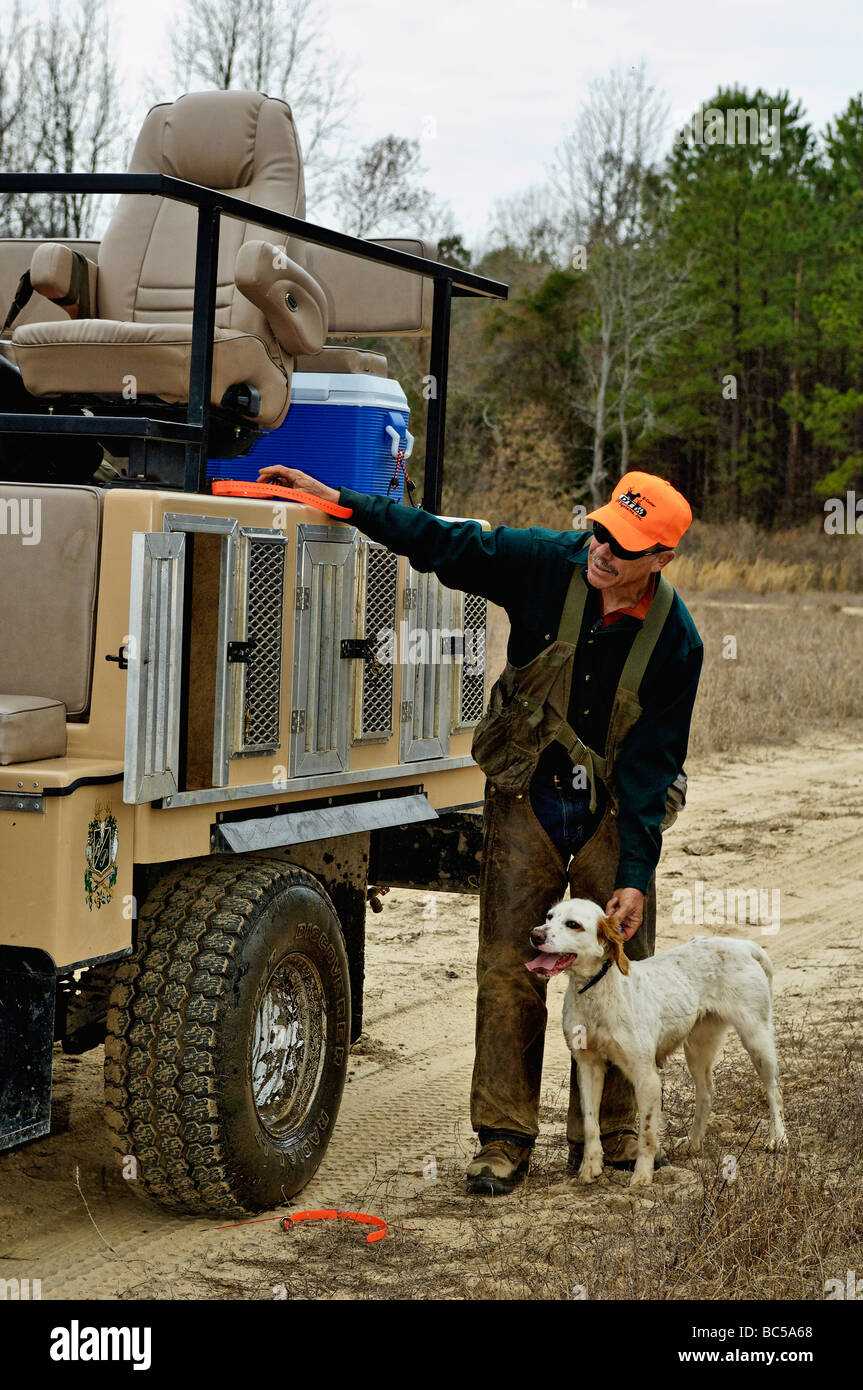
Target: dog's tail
(759, 954)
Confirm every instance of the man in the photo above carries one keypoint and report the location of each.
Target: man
(586, 731)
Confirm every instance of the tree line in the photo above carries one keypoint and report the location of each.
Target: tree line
(694, 311)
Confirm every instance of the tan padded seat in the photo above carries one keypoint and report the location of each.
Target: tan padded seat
(344, 359)
(31, 727)
(241, 143)
(157, 356)
(47, 614)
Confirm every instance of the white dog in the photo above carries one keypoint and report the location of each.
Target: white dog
(635, 1013)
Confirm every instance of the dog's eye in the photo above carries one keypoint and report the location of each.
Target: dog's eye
(576, 926)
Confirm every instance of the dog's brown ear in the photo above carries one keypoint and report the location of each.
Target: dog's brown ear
(608, 932)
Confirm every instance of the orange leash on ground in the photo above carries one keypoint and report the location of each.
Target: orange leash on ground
(235, 487)
(333, 1213)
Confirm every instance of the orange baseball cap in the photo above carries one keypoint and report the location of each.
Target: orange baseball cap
(644, 511)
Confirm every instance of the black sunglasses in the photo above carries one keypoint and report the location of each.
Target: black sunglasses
(605, 537)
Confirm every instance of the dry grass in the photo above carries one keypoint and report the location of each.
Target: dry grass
(723, 557)
(779, 1229)
(796, 668)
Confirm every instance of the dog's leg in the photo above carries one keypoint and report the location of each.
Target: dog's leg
(648, 1098)
(701, 1049)
(757, 1037)
(591, 1079)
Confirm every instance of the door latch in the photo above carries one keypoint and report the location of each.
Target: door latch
(241, 652)
(360, 649)
(122, 658)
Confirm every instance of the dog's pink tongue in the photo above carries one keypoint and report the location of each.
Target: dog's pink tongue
(549, 964)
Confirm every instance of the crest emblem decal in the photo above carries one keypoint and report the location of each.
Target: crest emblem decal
(100, 876)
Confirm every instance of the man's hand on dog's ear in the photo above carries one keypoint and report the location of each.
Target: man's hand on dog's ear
(627, 905)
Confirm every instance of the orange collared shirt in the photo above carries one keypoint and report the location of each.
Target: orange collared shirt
(638, 610)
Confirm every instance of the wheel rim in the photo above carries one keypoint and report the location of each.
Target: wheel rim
(289, 1046)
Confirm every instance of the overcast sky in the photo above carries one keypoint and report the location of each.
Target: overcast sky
(502, 79)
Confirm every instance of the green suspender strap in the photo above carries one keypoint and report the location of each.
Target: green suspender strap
(646, 638)
(573, 608)
(630, 677)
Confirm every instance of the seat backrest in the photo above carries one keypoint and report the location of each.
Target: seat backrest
(241, 143)
(49, 567)
(367, 299)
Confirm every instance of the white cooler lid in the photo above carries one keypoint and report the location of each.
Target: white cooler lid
(347, 388)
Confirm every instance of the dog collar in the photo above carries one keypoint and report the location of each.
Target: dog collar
(598, 976)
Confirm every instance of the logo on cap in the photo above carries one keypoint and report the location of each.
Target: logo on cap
(629, 499)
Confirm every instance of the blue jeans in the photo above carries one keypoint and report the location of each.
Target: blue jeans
(564, 814)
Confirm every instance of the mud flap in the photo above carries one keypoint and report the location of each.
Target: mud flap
(442, 854)
(27, 993)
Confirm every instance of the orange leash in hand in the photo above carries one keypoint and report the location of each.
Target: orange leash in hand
(334, 1214)
(235, 487)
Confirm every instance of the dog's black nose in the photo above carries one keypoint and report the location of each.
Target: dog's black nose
(537, 936)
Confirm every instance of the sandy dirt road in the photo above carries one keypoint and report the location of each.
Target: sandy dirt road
(778, 819)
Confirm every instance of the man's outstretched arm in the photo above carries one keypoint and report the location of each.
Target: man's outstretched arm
(495, 564)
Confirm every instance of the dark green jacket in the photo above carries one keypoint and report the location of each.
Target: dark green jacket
(527, 572)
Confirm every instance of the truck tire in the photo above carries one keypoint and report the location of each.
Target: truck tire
(228, 1037)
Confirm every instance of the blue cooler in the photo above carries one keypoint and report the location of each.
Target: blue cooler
(345, 429)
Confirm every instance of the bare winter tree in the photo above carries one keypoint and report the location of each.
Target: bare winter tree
(603, 175)
(79, 126)
(17, 213)
(530, 221)
(383, 194)
(59, 113)
(272, 46)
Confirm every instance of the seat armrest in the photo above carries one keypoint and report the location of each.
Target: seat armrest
(293, 302)
(57, 272)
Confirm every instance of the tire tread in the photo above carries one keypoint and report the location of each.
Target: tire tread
(161, 1087)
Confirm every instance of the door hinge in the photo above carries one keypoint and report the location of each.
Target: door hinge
(410, 600)
(407, 710)
(298, 721)
(303, 596)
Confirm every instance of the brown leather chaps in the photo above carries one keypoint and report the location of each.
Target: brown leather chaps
(521, 876)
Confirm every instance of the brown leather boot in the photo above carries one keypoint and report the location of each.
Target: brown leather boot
(620, 1150)
(500, 1165)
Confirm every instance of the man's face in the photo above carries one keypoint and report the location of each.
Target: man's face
(606, 571)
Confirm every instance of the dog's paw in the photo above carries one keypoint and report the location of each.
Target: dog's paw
(692, 1144)
(642, 1179)
(778, 1141)
(590, 1170)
